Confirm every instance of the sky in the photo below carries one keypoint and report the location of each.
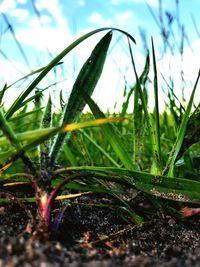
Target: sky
(44, 28)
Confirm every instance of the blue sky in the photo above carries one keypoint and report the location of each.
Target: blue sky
(62, 21)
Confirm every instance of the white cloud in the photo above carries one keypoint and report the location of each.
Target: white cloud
(81, 3)
(6, 5)
(22, 1)
(97, 18)
(19, 13)
(54, 9)
(153, 3)
(125, 15)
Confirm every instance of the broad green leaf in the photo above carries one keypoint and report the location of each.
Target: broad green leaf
(176, 189)
(85, 82)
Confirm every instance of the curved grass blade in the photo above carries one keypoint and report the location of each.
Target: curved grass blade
(17, 103)
(85, 82)
(176, 189)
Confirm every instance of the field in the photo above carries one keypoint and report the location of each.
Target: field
(99, 186)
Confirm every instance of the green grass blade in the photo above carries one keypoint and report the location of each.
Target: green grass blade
(157, 169)
(138, 116)
(86, 81)
(45, 146)
(111, 135)
(10, 135)
(69, 155)
(44, 134)
(100, 149)
(176, 189)
(169, 169)
(2, 92)
(192, 134)
(156, 112)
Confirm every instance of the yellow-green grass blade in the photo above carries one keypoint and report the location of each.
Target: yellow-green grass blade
(86, 82)
(39, 136)
(10, 135)
(17, 103)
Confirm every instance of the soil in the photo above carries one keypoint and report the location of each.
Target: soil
(91, 236)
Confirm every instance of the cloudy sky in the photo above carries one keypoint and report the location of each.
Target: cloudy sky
(43, 28)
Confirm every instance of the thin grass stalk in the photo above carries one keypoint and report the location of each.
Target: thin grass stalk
(169, 169)
(156, 113)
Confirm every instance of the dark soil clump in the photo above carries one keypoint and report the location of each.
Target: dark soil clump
(95, 236)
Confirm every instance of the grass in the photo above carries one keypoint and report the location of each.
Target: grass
(155, 153)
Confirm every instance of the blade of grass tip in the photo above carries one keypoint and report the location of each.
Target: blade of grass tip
(2, 92)
(156, 112)
(45, 146)
(169, 169)
(10, 135)
(17, 103)
(86, 81)
(111, 135)
(147, 115)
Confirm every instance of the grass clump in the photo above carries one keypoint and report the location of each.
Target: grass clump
(147, 152)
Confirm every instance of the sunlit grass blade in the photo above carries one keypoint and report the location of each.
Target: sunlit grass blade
(86, 82)
(45, 134)
(10, 135)
(169, 169)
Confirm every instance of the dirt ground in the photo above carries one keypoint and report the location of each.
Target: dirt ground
(95, 236)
